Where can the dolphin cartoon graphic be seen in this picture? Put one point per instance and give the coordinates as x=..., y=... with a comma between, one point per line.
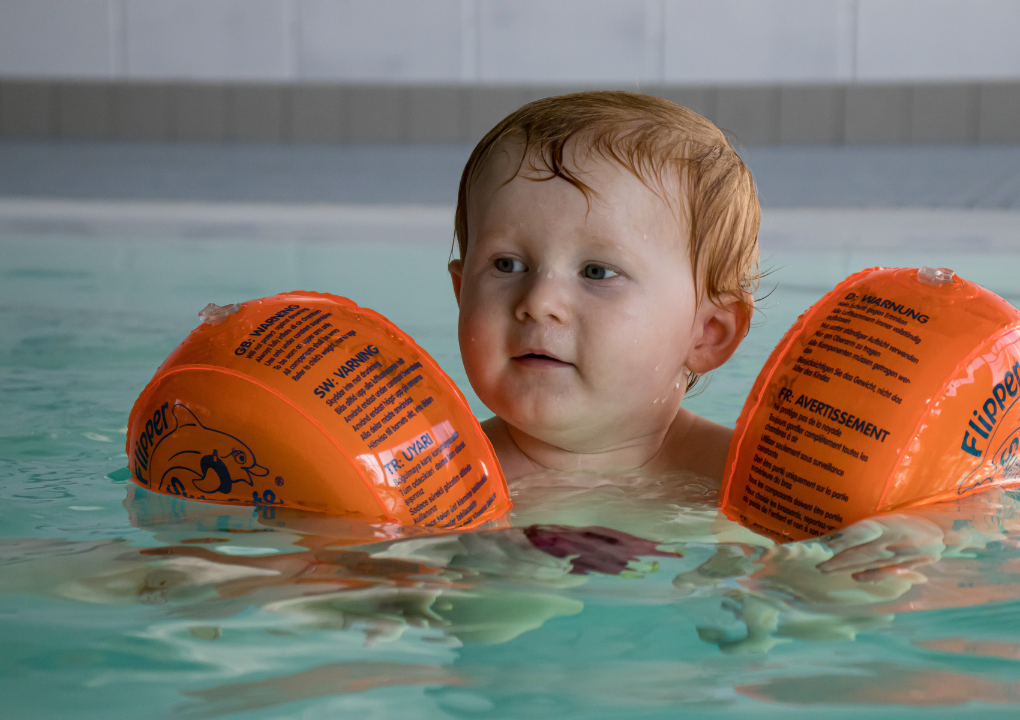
x=211, y=460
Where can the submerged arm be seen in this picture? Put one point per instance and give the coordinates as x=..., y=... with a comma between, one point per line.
x=914, y=537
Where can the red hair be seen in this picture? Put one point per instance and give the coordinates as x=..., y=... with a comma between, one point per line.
x=676, y=152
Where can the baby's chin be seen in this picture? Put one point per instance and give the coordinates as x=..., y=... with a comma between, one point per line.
x=586, y=427
x=571, y=431
x=549, y=424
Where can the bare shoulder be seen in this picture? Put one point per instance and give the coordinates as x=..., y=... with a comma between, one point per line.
x=512, y=461
x=695, y=444
x=495, y=429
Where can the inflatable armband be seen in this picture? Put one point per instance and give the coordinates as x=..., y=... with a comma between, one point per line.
x=306, y=400
x=899, y=388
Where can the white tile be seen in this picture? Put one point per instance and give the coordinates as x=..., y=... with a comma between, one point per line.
x=379, y=40
x=745, y=41
x=468, y=41
x=944, y=40
x=554, y=41
x=207, y=39
x=54, y=38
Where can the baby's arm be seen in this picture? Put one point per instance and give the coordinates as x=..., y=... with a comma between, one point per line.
x=900, y=542
x=882, y=545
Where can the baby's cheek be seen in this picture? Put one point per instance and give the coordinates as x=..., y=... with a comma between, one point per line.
x=479, y=343
x=637, y=363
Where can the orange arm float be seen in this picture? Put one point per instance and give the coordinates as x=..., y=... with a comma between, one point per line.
x=898, y=389
x=306, y=400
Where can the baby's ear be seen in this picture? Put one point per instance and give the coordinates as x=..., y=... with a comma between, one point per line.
x=723, y=324
x=456, y=268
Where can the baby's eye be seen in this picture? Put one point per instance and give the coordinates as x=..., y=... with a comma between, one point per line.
x=598, y=272
x=509, y=265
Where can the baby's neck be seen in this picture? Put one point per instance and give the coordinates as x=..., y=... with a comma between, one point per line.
x=676, y=447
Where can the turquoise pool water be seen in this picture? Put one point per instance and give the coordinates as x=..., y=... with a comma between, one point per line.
x=119, y=603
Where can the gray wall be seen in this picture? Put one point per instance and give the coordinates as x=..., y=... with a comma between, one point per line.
x=772, y=72
x=756, y=115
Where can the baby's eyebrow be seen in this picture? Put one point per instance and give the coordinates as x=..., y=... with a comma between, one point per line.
x=599, y=242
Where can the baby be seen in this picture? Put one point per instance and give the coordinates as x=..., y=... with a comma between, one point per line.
x=608, y=249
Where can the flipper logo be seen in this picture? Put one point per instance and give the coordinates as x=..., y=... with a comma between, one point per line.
x=1001, y=461
x=195, y=461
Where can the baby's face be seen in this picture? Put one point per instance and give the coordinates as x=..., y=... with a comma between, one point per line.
x=575, y=321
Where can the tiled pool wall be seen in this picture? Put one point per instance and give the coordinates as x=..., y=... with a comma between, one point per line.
x=760, y=114
x=772, y=72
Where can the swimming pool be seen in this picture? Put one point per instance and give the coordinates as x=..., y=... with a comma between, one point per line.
x=118, y=603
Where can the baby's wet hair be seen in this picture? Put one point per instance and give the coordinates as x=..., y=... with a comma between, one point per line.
x=676, y=152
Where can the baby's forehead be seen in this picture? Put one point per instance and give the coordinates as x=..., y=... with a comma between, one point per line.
x=513, y=174
x=551, y=221
x=583, y=164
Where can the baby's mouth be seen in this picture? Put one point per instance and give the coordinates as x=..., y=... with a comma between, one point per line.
x=539, y=361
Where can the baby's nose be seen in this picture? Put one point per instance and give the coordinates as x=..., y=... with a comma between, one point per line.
x=547, y=297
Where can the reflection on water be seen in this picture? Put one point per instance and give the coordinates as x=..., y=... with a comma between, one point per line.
x=623, y=597
x=319, y=576
x=887, y=684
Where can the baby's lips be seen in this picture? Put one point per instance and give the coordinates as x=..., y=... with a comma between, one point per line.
x=540, y=353
x=536, y=360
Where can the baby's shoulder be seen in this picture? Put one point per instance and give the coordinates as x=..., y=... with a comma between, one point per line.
x=512, y=461
x=697, y=445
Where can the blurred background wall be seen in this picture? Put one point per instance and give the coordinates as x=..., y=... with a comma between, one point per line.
x=772, y=72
